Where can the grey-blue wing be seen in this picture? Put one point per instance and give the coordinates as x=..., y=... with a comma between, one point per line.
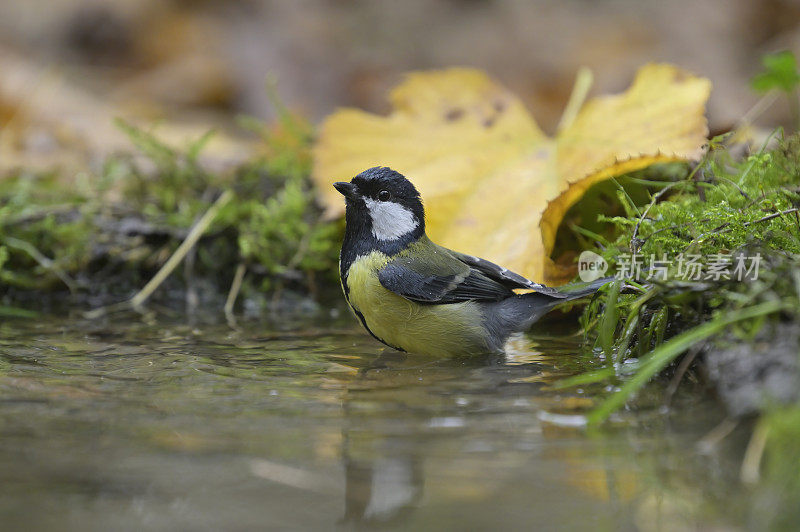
x=504, y=276
x=402, y=278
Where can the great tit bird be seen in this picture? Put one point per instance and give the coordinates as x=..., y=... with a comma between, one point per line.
x=416, y=296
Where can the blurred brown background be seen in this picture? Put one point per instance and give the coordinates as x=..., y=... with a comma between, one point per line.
x=68, y=66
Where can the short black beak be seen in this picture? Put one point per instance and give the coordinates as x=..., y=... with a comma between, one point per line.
x=348, y=190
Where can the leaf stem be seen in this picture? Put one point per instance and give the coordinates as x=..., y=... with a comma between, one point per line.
x=583, y=82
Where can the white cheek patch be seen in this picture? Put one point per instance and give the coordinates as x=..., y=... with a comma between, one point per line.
x=390, y=220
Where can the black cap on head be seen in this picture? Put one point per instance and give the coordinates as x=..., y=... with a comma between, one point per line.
x=380, y=185
x=370, y=182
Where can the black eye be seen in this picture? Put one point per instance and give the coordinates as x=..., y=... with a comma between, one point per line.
x=384, y=195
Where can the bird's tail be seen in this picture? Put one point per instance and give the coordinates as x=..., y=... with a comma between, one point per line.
x=578, y=290
x=518, y=313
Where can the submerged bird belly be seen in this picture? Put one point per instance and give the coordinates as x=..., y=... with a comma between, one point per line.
x=444, y=330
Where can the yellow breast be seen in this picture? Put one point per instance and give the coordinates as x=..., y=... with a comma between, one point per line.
x=440, y=330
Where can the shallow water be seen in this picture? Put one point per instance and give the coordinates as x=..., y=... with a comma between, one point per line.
x=129, y=426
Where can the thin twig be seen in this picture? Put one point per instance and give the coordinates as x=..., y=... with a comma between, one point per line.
x=583, y=82
x=236, y=286
x=192, y=299
x=191, y=291
x=707, y=443
x=764, y=103
x=41, y=259
x=725, y=226
x=753, y=162
x=194, y=235
x=676, y=226
x=108, y=309
x=751, y=463
x=679, y=373
x=771, y=216
x=741, y=191
x=653, y=201
x=191, y=239
x=41, y=214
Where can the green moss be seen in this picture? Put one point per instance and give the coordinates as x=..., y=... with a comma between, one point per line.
x=278, y=235
x=108, y=233
x=46, y=229
x=724, y=207
x=724, y=210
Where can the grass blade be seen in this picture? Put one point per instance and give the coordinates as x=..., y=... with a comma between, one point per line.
x=667, y=352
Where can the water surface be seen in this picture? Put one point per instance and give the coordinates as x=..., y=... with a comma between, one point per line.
x=126, y=425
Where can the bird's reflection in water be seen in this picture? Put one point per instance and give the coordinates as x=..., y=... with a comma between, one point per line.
x=384, y=491
x=385, y=431
x=383, y=481
x=405, y=415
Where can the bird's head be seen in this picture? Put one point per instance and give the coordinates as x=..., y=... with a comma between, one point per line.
x=385, y=202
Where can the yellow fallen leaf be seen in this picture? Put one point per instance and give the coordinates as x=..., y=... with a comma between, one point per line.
x=494, y=185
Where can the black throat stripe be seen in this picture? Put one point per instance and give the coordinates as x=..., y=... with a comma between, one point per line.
x=362, y=319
